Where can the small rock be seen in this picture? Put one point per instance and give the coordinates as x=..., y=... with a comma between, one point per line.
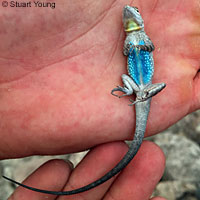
x=182, y=157
x=174, y=190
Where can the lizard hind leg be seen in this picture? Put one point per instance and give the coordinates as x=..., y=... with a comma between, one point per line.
x=148, y=92
x=153, y=89
x=128, y=89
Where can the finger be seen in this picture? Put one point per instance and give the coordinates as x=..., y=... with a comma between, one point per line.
x=97, y=163
x=50, y=176
x=157, y=198
x=196, y=92
x=139, y=178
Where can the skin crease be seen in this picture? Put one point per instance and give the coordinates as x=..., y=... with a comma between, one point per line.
x=57, y=68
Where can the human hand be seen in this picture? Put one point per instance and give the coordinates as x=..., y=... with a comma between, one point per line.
x=137, y=181
x=63, y=67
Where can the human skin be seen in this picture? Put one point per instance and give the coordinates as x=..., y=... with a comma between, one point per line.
x=57, y=68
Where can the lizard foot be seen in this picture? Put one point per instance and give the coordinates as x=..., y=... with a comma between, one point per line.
x=120, y=89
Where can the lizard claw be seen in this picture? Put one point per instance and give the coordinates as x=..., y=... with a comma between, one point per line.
x=133, y=102
x=112, y=92
x=120, y=89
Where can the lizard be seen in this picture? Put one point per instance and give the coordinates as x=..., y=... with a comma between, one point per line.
x=138, y=48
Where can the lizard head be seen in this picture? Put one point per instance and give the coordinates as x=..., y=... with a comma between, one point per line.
x=132, y=19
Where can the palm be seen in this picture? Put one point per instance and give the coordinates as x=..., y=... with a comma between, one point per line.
x=60, y=80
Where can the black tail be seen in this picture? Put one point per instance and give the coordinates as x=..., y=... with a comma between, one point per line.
x=142, y=111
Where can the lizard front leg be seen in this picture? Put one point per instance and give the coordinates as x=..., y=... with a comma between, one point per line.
x=147, y=46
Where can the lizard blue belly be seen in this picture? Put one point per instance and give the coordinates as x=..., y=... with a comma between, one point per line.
x=140, y=65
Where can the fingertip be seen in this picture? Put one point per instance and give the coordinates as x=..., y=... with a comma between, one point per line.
x=156, y=153
x=195, y=100
x=140, y=177
x=150, y=162
x=52, y=175
x=94, y=165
